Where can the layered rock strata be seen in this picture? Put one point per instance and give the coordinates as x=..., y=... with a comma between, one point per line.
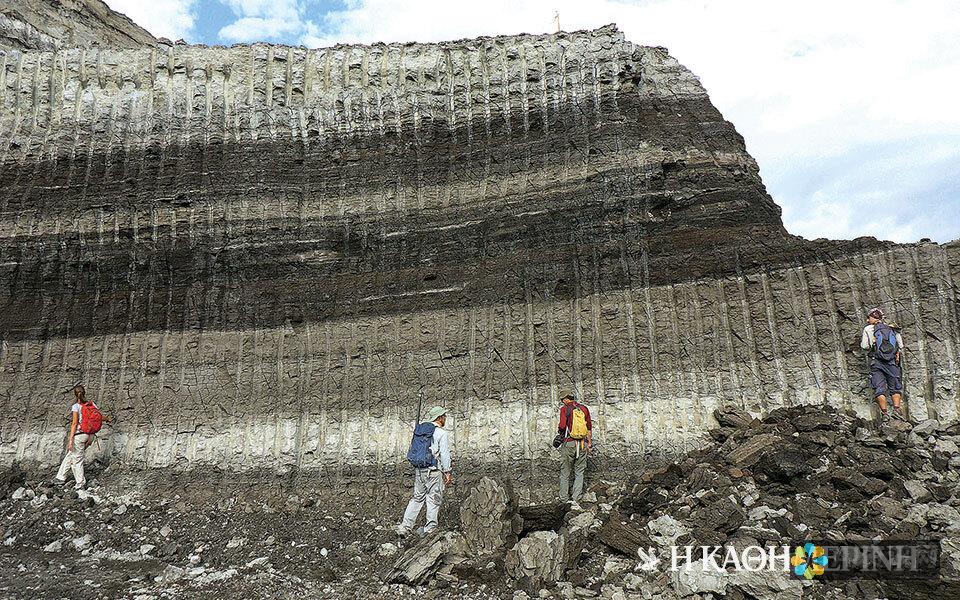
x=273, y=256
x=56, y=24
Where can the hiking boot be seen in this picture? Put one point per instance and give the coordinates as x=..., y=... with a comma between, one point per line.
x=401, y=530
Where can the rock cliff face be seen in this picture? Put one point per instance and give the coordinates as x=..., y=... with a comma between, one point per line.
x=54, y=24
x=273, y=256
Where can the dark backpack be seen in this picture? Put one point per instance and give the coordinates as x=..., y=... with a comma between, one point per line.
x=885, y=345
x=91, y=419
x=419, y=454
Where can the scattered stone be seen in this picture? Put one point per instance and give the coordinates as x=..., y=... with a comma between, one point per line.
x=918, y=492
x=925, y=428
x=665, y=530
x=387, y=549
x=54, y=546
x=169, y=575
x=82, y=542
x=695, y=579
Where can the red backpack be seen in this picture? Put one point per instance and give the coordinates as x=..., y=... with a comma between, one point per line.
x=91, y=419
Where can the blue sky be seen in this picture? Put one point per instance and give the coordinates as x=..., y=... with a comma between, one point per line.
x=850, y=108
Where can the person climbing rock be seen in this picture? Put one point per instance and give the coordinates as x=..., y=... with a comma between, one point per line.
x=85, y=422
x=430, y=456
x=884, y=345
x=576, y=431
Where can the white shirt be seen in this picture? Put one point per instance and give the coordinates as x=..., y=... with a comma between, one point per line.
x=440, y=447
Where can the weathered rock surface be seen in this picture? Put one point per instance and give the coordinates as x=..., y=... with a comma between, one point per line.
x=438, y=552
x=488, y=517
x=60, y=24
x=270, y=256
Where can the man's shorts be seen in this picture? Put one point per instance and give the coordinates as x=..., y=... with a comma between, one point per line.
x=885, y=379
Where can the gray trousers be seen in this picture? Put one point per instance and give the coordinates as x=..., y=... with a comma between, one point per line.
x=427, y=488
x=74, y=459
x=570, y=460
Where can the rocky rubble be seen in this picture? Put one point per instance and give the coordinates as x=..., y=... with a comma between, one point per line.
x=799, y=473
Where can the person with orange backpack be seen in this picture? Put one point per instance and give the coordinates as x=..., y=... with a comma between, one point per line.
x=86, y=421
x=575, y=439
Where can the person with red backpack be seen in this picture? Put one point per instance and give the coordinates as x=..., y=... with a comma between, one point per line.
x=884, y=345
x=575, y=439
x=86, y=421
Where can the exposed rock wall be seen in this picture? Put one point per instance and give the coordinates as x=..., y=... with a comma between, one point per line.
x=53, y=24
x=265, y=256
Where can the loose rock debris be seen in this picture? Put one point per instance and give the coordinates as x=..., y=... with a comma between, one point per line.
x=800, y=473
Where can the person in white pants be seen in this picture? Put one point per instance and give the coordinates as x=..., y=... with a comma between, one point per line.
x=77, y=442
x=428, y=483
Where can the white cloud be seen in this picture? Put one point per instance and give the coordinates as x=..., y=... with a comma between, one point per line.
x=171, y=19
x=259, y=20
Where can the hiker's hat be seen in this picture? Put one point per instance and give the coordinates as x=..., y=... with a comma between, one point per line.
x=434, y=413
x=876, y=313
x=567, y=394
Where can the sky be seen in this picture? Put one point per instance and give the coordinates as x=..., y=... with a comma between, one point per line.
x=851, y=107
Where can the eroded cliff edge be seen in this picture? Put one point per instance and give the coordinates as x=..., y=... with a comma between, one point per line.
x=56, y=24
x=266, y=256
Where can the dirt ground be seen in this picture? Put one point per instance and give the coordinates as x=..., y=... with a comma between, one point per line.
x=137, y=536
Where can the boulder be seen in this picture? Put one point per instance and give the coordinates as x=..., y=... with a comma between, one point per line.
x=751, y=451
x=435, y=552
x=732, y=416
x=918, y=492
x=543, y=517
x=537, y=558
x=925, y=428
x=665, y=530
x=488, y=517
x=619, y=534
